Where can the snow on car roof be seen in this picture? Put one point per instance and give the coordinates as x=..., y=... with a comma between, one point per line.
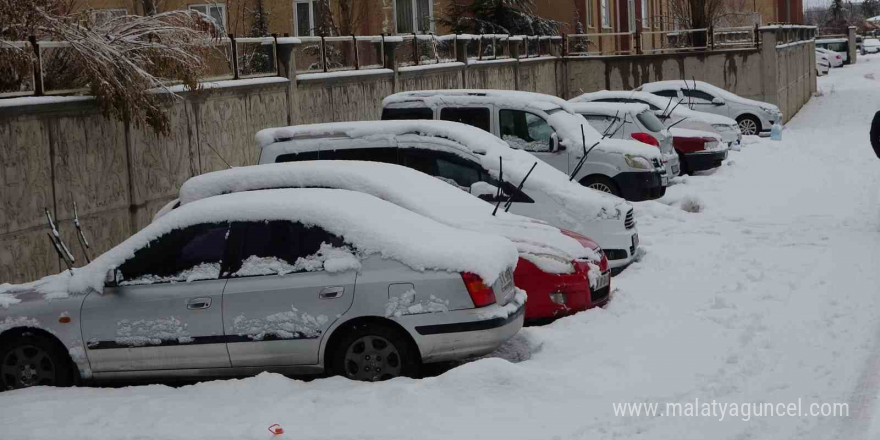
x=486, y=148
x=405, y=187
x=513, y=98
x=372, y=225
x=702, y=85
x=609, y=108
x=661, y=102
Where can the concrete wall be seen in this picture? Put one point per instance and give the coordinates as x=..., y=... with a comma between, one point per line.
x=55, y=153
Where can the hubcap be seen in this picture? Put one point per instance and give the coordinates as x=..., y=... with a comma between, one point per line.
x=600, y=187
x=748, y=127
x=372, y=358
x=27, y=366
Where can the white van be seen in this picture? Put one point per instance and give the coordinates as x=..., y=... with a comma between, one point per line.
x=474, y=161
x=547, y=127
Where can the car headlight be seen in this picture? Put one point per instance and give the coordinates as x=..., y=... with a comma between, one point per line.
x=638, y=162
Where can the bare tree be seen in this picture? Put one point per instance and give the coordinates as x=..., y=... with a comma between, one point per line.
x=122, y=61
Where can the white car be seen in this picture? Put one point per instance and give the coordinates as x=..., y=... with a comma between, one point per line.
x=834, y=58
x=870, y=45
x=753, y=117
x=836, y=45
x=822, y=64
x=672, y=113
x=474, y=161
x=547, y=127
x=632, y=121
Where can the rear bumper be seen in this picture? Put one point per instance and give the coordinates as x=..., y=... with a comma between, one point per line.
x=468, y=333
x=637, y=186
x=704, y=160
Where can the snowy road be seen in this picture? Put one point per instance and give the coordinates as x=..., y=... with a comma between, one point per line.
x=770, y=293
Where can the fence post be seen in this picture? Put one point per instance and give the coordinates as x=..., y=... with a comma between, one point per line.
x=234, y=56
x=323, y=53
x=415, y=52
x=37, y=67
x=637, y=36
x=564, y=45
x=711, y=37
x=357, y=58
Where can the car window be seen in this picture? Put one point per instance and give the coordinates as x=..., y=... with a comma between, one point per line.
x=393, y=114
x=698, y=96
x=278, y=247
x=297, y=157
x=385, y=155
x=666, y=93
x=190, y=254
x=652, y=106
x=599, y=122
x=650, y=121
x=525, y=131
x=460, y=172
x=475, y=116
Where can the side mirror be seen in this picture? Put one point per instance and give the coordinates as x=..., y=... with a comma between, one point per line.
x=554, y=143
x=110, y=278
x=484, y=190
x=718, y=101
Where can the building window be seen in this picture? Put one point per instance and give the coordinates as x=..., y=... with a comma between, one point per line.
x=304, y=17
x=606, y=14
x=589, y=9
x=217, y=11
x=414, y=16
x=631, y=14
x=645, y=22
x=101, y=16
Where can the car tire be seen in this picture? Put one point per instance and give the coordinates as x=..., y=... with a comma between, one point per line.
x=33, y=359
x=374, y=352
x=601, y=183
x=749, y=125
x=683, y=168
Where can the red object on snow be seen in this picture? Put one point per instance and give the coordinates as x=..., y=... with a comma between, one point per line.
x=276, y=429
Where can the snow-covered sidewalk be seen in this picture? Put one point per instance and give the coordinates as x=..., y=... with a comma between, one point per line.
x=768, y=294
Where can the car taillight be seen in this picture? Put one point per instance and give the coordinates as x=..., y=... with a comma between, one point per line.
x=646, y=138
x=690, y=144
x=481, y=294
x=603, y=263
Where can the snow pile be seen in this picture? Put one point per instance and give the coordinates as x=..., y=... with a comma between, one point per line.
x=370, y=225
x=284, y=325
x=204, y=271
x=139, y=333
x=328, y=258
x=406, y=304
x=405, y=187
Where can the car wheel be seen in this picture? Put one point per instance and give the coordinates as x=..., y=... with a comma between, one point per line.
x=34, y=360
x=684, y=168
x=749, y=125
x=601, y=183
x=373, y=352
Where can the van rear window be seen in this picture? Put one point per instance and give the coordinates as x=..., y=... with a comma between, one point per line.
x=475, y=116
x=409, y=113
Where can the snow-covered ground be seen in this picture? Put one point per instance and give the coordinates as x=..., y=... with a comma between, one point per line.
x=770, y=293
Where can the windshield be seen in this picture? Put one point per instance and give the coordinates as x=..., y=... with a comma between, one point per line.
x=650, y=121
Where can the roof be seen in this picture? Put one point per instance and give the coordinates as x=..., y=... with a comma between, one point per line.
x=663, y=103
x=372, y=225
x=832, y=40
x=511, y=97
x=609, y=108
x=405, y=187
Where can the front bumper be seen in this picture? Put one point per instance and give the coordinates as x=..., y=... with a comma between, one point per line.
x=465, y=334
x=704, y=160
x=637, y=186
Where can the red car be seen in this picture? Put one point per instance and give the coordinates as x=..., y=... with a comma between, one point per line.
x=697, y=150
x=553, y=296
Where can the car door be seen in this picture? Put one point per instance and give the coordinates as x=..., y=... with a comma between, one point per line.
x=524, y=130
x=702, y=102
x=163, y=311
x=280, y=299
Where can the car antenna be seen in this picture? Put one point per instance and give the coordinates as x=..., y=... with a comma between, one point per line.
x=498, y=193
x=676, y=123
x=519, y=188
x=81, y=237
x=218, y=154
x=60, y=248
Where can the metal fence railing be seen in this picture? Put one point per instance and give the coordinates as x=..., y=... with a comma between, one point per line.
x=44, y=67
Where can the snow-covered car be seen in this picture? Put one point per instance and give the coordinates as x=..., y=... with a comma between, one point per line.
x=834, y=58
x=631, y=121
x=547, y=127
x=288, y=280
x=839, y=46
x=752, y=116
x=823, y=65
x=699, y=150
x=672, y=113
x=476, y=162
x=870, y=45
x=562, y=272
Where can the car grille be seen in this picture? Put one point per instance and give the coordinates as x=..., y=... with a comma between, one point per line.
x=630, y=221
x=600, y=295
x=657, y=163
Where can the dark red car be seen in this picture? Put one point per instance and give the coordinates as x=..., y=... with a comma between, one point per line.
x=697, y=150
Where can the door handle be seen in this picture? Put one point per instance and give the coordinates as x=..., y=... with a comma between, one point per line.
x=198, y=303
x=331, y=292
